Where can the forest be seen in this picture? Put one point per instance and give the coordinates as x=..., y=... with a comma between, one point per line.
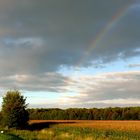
x=117, y=113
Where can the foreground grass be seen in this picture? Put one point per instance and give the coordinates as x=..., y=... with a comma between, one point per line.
x=79, y=131
x=69, y=133
x=9, y=137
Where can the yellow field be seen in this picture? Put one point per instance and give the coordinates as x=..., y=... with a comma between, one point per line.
x=107, y=124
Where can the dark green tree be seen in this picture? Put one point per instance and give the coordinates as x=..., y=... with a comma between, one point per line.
x=14, y=114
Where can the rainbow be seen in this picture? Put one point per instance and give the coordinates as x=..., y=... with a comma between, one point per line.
x=105, y=30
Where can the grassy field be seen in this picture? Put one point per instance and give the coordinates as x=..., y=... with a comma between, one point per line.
x=107, y=124
x=76, y=130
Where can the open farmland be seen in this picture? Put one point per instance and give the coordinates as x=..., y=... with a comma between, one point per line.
x=107, y=124
x=77, y=130
x=93, y=129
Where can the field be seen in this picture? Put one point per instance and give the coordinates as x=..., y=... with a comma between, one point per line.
x=106, y=125
x=76, y=130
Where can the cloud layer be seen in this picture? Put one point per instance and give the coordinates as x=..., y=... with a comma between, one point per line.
x=109, y=89
x=38, y=37
x=121, y=88
x=50, y=82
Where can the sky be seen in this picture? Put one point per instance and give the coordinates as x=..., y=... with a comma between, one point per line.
x=71, y=53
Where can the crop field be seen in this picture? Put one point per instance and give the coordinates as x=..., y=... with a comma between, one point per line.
x=76, y=130
x=107, y=124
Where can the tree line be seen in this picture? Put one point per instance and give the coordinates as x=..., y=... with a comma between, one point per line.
x=117, y=113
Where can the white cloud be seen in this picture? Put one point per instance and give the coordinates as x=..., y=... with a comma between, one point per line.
x=115, y=88
x=108, y=88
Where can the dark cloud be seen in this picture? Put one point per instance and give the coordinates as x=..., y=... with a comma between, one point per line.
x=41, y=36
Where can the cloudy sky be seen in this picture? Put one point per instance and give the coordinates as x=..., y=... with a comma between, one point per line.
x=71, y=53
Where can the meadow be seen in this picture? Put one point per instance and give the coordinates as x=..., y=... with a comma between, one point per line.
x=76, y=130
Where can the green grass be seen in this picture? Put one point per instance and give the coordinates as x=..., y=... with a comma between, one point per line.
x=57, y=132
x=69, y=133
x=98, y=134
x=9, y=137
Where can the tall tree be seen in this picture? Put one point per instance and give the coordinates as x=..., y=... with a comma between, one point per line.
x=14, y=112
